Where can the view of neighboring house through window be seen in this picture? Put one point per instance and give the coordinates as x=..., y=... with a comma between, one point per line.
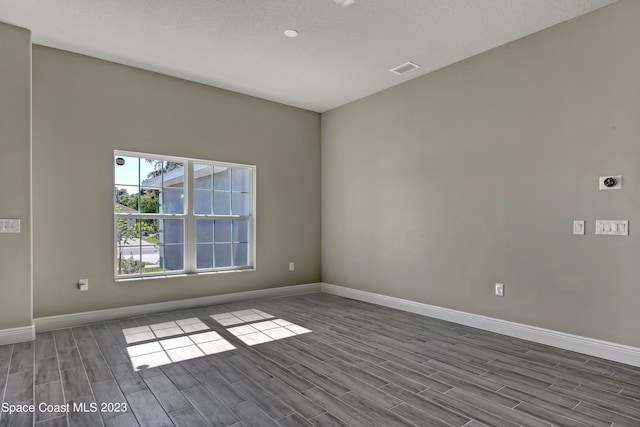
x=175, y=215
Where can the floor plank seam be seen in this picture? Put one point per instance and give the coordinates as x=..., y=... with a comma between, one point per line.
x=86, y=375
x=4, y=388
x=113, y=377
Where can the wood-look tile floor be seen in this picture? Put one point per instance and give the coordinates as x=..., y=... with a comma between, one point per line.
x=361, y=365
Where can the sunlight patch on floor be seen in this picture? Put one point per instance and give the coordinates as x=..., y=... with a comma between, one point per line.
x=162, y=330
x=242, y=316
x=163, y=352
x=253, y=327
x=271, y=330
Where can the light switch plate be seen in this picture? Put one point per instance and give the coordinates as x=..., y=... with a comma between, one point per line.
x=578, y=227
x=9, y=225
x=612, y=227
x=499, y=290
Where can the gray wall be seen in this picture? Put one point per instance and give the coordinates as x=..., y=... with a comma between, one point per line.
x=437, y=188
x=15, y=183
x=85, y=108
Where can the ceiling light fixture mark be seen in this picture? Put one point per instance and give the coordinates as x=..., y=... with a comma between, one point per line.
x=345, y=3
x=404, y=68
x=291, y=33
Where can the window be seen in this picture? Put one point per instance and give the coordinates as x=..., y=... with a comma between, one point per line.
x=176, y=215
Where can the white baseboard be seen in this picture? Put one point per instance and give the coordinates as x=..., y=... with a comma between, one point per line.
x=16, y=335
x=604, y=349
x=88, y=317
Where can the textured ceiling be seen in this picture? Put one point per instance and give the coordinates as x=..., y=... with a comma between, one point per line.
x=344, y=50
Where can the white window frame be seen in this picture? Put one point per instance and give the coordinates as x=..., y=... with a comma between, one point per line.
x=190, y=218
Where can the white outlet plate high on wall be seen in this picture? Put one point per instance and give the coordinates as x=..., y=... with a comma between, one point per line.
x=617, y=186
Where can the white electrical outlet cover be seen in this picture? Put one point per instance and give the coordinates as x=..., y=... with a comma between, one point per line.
x=578, y=227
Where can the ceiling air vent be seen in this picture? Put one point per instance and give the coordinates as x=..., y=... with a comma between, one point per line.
x=404, y=68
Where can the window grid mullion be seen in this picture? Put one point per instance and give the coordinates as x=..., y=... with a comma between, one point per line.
x=149, y=216
x=190, y=225
x=213, y=244
x=233, y=261
x=228, y=217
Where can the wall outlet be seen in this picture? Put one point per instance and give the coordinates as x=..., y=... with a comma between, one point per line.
x=578, y=227
x=83, y=284
x=292, y=266
x=499, y=290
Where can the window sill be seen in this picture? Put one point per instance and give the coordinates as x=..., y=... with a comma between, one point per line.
x=168, y=276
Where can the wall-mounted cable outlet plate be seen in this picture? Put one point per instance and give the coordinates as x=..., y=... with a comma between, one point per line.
x=610, y=182
x=499, y=290
x=578, y=227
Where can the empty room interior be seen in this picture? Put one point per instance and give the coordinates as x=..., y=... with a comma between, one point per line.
x=320, y=213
